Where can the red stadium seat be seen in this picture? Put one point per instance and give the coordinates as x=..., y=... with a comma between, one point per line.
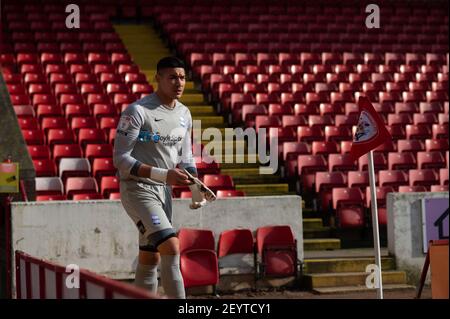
x=60, y=136
x=199, y=268
x=399, y=119
x=284, y=134
x=40, y=198
x=341, y=162
x=91, y=136
x=264, y=121
x=87, y=196
x=108, y=123
x=33, y=137
x=439, y=188
x=307, y=165
x=215, y=182
x=28, y=123
x=250, y=111
x=103, y=167
x=421, y=131
x=325, y=182
x=427, y=118
x=430, y=160
x=291, y=150
x=309, y=134
x=66, y=151
x=381, y=194
x=411, y=189
x=44, y=167
x=392, y=178
x=80, y=122
x=108, y=185
x=404, y=161
x=277, y=249
x=407, y=108
x=235, y=241
x=325, y=148
x=443, y=176
x=346, y=147
x=192, y=239
x=114, y=196
x=379, y=162
x=294, y=121
x=48, y=123
x=39, y=151
x=93, y=151
x=49, y=186
x=103, y=110
x=337, y=134
x=424, y=177
x=349, y=206
x=412, y=146
x=229, y=193
x=358, y=179
x=433, y=108
x=440, y=131
x=80, y=185
x=440, y=145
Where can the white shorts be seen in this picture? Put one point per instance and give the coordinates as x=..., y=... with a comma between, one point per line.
x=150, y=208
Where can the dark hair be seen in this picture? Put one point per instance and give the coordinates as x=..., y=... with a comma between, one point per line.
x=169, y=62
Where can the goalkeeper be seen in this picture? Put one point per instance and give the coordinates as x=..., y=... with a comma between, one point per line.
x=153, y=136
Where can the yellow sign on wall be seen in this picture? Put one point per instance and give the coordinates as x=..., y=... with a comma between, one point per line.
x=9, y=177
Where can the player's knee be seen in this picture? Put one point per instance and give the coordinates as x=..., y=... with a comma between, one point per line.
x=148, y=257
x=170, y=246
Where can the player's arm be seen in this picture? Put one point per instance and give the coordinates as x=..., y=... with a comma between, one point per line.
x=128, y=130
x=200, y=193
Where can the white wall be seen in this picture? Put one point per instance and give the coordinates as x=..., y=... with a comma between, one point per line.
x=405, y=240
x=99, y=235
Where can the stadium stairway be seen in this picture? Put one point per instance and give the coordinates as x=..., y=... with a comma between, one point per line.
x=146, y=48
x=328, y=269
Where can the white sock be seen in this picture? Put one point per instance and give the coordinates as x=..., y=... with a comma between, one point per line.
x=171, y=278
x=147, y=277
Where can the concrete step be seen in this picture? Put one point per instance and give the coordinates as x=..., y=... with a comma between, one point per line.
x=357, y=289
x=248, y=172
x=338, y=265
x=192, y=99
x=313, y=281
x=229, y=146
x=210, y=120
x=312, y=223
x=263, y=189
x=322, y=244
x=256, y=179
x=202, y=110
x=237, y=161
x=323, y=232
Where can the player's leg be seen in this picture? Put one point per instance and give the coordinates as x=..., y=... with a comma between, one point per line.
x=146, y=275
x=147, y=269
x=169, y=249
x=171, y=277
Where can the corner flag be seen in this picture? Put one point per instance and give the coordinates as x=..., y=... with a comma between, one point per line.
x=371, y=131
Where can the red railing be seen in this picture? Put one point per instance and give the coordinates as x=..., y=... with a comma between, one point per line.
x=40, y=279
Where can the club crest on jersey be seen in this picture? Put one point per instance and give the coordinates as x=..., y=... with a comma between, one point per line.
x=366, y=129
x=124, y=123
x=156, y=220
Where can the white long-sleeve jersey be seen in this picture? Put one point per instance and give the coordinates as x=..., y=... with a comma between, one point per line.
x=150, y=133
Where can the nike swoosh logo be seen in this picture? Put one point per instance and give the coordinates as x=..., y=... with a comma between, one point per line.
x=157, y=120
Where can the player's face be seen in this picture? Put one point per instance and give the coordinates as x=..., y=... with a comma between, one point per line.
x=171, y=82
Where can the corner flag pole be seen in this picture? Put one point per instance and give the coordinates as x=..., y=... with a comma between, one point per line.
x=376, y=234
